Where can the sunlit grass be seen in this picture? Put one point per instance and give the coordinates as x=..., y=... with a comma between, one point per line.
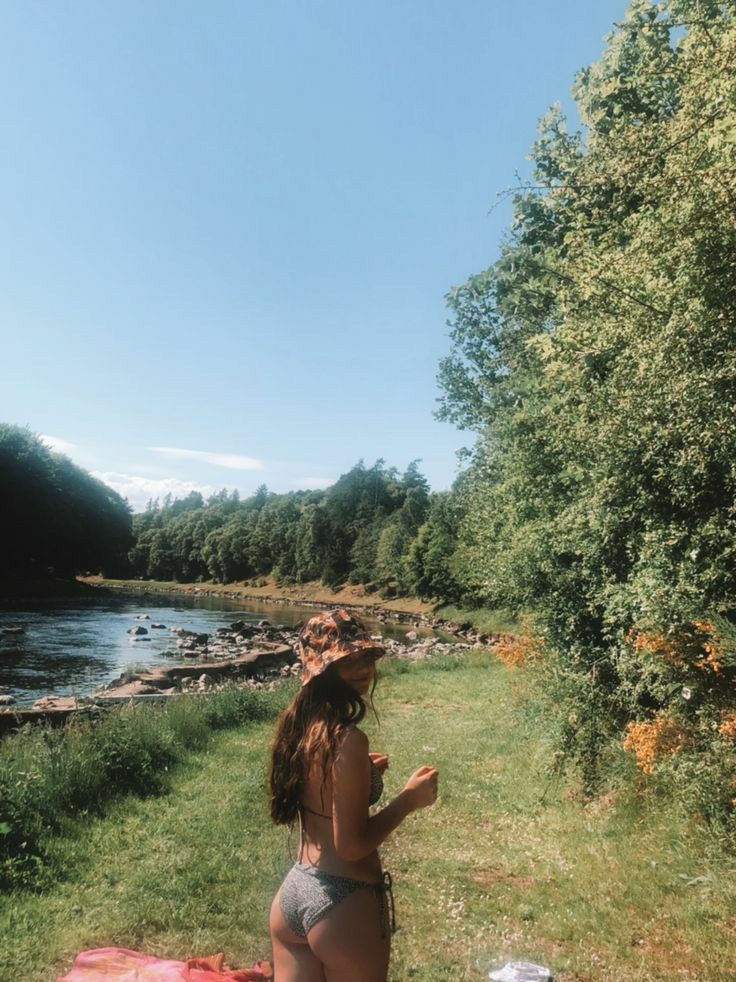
x=487, y=620
x=508, y=864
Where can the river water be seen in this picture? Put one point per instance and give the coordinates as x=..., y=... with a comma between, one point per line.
x=73, y=647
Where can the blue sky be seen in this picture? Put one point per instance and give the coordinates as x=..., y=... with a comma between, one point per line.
x=227, y=229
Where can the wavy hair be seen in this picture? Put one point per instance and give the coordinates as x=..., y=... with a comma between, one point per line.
x=308, y=730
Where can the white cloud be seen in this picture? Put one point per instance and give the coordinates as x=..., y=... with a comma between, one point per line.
x=140, y=490
x=232, y=461
x=56, y=443
x=313, y=483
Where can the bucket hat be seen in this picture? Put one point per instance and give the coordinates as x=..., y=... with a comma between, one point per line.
x=329, y=636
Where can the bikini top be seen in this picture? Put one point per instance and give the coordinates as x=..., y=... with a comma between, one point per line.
x=375, y=793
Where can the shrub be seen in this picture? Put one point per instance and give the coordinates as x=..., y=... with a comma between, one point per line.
x=517, y=651
x=650, y=740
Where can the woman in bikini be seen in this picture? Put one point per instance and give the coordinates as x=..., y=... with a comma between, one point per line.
x=332, y=918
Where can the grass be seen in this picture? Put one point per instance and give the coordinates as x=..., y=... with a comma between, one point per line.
x=622, y=888
x=486, y=620
x=49, y=775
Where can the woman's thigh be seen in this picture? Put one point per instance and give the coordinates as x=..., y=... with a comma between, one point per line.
x=353, y=942
x=293, y=960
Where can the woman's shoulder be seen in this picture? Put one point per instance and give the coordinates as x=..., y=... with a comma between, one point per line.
x=352, y=742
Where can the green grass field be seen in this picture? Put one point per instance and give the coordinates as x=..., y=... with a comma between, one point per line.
x=620, y=888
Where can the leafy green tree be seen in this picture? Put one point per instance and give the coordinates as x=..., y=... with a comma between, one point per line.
x=309, y=533
x=55, y=516
x=333, y=536
x=429, y=561
x=596, y=361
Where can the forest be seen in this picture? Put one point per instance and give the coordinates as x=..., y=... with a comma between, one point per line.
x=373, y=526
x=55, y=518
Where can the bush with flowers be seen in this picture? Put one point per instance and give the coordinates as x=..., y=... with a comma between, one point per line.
x=690, y=739
x=595, y=359
x=517, y=650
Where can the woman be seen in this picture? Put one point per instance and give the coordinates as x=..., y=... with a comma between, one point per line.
x=331, y=919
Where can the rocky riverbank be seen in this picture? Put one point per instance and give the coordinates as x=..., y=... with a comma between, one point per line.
x=238, y=653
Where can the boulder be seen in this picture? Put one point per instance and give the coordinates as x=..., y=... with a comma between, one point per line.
x=137, y=630
x=158, y=627
x=59, y=703
x=143, y=617
x=6, y=700
x=135, y=688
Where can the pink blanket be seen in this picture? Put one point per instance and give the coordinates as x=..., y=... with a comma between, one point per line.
x=131, y=966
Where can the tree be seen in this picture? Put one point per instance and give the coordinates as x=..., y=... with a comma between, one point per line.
x=55, y=515
x=596, y=361
x=429, y=562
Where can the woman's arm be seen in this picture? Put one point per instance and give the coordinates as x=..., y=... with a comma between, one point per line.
x=358, y=834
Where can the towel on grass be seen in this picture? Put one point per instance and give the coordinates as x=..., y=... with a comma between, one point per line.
x=125, y=965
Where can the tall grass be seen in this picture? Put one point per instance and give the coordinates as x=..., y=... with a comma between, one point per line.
x=48, y=776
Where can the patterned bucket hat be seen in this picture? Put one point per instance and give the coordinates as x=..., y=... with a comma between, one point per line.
x=330, y=636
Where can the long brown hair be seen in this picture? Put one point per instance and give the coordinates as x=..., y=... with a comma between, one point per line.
x=308, y=730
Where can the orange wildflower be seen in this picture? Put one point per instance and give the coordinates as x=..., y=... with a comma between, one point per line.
x=516, y=651
x=705, y=627
x=713, y=652
x=656, y=644
x=699, y=648
x=727, y=728
x=653, y=739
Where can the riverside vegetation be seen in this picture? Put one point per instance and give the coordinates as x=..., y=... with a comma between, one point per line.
x=594, y=365
x=510, y=863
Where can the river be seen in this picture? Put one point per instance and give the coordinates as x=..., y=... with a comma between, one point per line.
x=73, y=647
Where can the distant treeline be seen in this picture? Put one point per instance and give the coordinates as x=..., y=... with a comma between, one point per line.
x=372, y=526
x=55, y=518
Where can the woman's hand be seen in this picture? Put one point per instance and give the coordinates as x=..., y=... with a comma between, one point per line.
x=380, y=761
x=421, y=788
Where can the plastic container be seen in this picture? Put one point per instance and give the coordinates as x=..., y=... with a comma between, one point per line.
x=522, y=972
